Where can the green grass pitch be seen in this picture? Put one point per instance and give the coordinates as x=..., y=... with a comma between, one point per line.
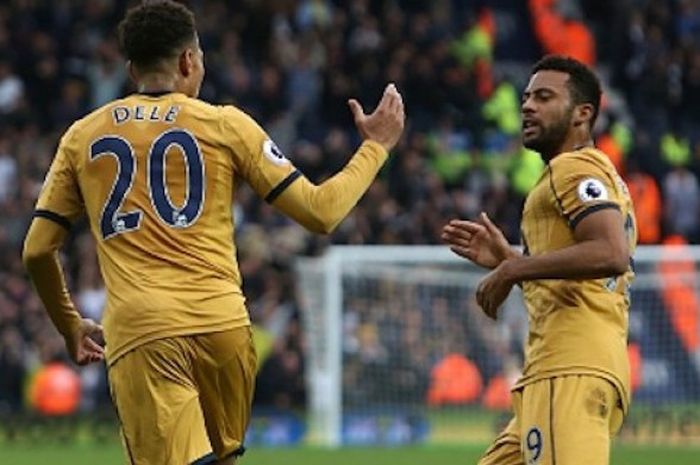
x=110, y=453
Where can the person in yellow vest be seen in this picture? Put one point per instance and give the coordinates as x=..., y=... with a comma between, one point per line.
x=675, y=149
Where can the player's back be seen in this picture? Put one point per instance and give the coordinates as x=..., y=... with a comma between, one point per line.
x=156, y=178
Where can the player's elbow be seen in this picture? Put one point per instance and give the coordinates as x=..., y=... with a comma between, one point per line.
x=619, y=265
x=314, y=221
x=322, y=225
x=324, y=229
x=38, y=247
x=617, y=260
x=34, y=254
x=323, y=218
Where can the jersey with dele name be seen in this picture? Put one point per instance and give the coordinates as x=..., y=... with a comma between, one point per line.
x=155, y=174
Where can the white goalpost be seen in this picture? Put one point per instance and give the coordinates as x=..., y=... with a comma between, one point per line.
x=398, y=352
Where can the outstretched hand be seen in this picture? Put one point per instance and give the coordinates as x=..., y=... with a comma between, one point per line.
x=386, y=122
x=480, y=242
x=83, y=346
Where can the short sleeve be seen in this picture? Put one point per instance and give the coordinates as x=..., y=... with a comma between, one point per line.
x=256, y=157
x=581, y=186
x=60, y=199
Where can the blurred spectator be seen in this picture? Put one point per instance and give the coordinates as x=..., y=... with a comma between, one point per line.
x=107, y=75
x=11, y=88
x=682, y=203
x=497, y=394
x=12, y=349
x=675, y=150
x=8, y=173
x=634, y=353
x=646, y=197
x=559, y=28
x=455, y=380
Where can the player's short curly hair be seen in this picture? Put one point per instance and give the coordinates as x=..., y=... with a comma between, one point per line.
x=155, y=31
x=583, y=84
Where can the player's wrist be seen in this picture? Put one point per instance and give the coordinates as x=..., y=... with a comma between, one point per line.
x=509, y=270
x=378, y=149
x=510, y=253
x=69, y=324
x=378, y=144
x=502, y=254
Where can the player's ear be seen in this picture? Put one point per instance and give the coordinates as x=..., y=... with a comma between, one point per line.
x=131, y=69
x=583, y=113
x=186, y=61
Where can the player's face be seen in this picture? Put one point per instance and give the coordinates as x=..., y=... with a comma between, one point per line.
x=547, y=112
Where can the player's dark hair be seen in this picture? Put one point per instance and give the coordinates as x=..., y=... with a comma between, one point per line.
x=583, y=84
x=155, y=31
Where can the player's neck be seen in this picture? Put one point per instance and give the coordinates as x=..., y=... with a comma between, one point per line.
x=156, y=83
x=572, y=144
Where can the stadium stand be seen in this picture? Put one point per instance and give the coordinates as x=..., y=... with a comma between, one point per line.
x=293, y=64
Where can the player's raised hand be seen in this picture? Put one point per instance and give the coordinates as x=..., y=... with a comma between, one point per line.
x=386, y=122
x=82, y=346
x=481, y=242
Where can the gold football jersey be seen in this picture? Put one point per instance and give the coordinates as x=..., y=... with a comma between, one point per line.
x=576, y=326
x=155, y=175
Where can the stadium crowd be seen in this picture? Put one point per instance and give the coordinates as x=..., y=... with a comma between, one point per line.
x=292, y=64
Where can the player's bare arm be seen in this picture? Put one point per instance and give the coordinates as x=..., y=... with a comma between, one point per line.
x=601, y=250
x=40, y=258
x=320, y=208
x=478, y=241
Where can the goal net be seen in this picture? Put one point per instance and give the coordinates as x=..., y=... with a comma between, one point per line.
x=398, y=352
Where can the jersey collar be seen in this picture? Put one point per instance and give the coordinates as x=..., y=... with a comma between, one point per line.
x=156, y=93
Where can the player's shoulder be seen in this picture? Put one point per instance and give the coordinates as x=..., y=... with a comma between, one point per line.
x=591, y=169
x=587, y=158
x=237, y=121
x=229, y=115
x=198, y=106
x=234, y=114
x=215, y=110
x=85, y=126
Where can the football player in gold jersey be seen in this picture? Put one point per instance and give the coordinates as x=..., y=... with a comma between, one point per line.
x=156, y=173
x=578, y=232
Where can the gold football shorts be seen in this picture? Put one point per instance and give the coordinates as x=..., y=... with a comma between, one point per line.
x=184, y=400
x=563, y=420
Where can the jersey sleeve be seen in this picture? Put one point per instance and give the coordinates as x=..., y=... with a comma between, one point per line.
x=320, y=208
x=60, y=199
x=581, y=186
x=256, y=158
